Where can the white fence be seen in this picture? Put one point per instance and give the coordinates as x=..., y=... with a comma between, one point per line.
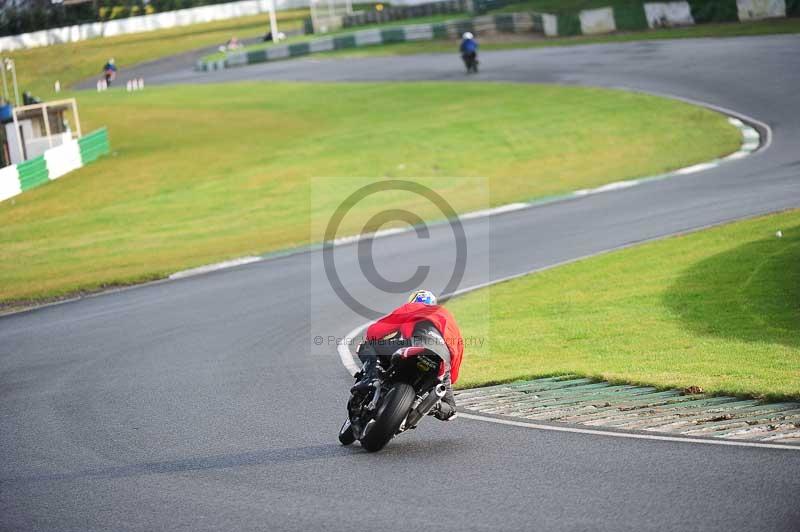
x=156, y=21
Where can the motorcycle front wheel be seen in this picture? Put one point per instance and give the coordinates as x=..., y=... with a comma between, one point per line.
x=390, y=416
x=346, y=436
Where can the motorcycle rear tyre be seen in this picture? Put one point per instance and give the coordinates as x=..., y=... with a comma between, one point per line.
x=390, y=416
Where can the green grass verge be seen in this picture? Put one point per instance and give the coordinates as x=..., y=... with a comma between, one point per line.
x=719, y=309
x=201, y=174
x=39, y=68
x=512, y=41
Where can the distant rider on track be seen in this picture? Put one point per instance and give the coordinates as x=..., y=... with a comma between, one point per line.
x=420, y=322
x=469, y=52
x=110, y=71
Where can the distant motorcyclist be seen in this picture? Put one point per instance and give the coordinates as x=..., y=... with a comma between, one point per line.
x=469, y=52
x=420, y=322
x=110, y=71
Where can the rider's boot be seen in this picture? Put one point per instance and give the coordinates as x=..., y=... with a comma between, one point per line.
x=369, y=373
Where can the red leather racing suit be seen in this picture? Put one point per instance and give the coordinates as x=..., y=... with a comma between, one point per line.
x=404, y=319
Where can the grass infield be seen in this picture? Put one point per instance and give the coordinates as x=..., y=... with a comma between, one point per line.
x=39, y=68
x=718, y=309
x=207, y=173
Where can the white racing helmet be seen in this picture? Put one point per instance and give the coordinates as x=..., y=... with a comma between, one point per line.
x=423, y=296
x=467, y=35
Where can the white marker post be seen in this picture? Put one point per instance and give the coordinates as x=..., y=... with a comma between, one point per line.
x=8, y=64
x=312, y=5
x=273, y=22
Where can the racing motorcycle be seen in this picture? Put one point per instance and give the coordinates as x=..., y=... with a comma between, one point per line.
x=471, y=62
x=404, y=392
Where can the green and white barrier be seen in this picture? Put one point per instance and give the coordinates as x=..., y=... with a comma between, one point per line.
x=760, y=9
x=670, y=14
x=54, y=163
x=505, y=23
x=597, y=21
x=586, y=22
x=9, y=182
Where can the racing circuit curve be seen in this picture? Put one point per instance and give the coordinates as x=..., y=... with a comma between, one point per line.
x=195, y=404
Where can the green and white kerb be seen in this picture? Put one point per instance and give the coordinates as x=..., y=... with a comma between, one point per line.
x=54, y=163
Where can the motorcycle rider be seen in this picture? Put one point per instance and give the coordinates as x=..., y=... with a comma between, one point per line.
x=420, y=322
x=110, y=71
x=469, y=51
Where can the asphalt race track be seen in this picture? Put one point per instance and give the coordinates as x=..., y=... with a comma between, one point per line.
x=202, y=404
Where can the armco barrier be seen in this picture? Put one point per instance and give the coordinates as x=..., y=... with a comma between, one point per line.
x=504, y=23
x=55, y=162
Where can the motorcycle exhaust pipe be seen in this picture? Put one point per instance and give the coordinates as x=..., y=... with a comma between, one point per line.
x=440, y=390
x=430, y=400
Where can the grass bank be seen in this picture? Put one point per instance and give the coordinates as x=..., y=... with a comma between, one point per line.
x=433, y=19
x=201, y=174
x=719, y=309
x=39, y=68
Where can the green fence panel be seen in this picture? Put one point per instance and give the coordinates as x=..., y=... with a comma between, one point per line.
x=390, y=35
x=345, y=41
x=714, y=11
x=504, y=23
x=793, y=8
x=464, y=25
x=630, y=18
x=569, y=24
x=439, y=31
x=302, y=48
x=484, y=6
x=94, y=145
x=256, y=56
x=538, y=22
x=32, y=173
